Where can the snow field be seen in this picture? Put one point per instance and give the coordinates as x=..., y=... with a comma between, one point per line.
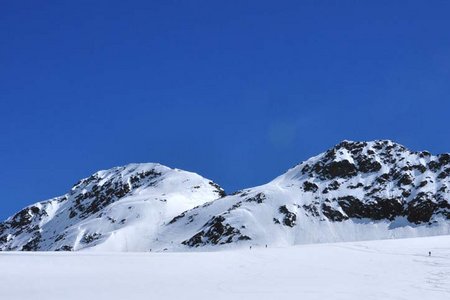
x=384, y=269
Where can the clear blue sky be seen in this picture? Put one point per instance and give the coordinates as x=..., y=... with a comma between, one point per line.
x=237, y=91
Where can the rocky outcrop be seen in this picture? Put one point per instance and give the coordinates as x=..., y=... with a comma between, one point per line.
x=216, y=232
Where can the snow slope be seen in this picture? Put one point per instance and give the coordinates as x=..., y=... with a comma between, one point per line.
x=120, y=209
x=385, y=269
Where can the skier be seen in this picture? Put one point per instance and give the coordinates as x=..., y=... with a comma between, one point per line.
x=429, y=253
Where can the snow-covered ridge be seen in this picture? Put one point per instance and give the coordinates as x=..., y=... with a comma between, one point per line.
x=353, y=191
x=119, y=209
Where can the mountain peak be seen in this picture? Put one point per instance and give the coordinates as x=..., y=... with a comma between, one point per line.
x=107, y=208
x=353, y=191
x=376, y=145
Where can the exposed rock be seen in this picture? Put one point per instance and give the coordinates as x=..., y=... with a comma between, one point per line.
x=341, y=169
x=220, y=191
x=367, y=165
x=90, y=237
x=258, y=198
x=289, y=218
x=216, y=233
x=310, y=187
x=333, y=214
x=381, y=209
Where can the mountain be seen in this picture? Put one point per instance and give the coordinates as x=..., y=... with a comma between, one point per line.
x=354, y=191
x=120, y=209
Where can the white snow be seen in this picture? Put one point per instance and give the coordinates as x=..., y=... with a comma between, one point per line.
x=128, y=223
x=384, y=269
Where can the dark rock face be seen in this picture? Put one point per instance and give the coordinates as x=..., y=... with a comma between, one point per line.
x=421, y=210
x=382, y=209
x=337, y=169
x=444, y=174
x=405, y=179
x=258, y=198
x=425, y=205
x=311, y=210
x=444, y=159
x=216, y=232
x=366, y=165
x=289, y=218
x=331, y=187
x=332, y=214
x=310, y=187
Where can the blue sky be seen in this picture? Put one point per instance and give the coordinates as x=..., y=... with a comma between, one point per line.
x=237, y=91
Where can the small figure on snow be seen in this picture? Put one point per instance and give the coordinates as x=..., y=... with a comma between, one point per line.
x=429, y=253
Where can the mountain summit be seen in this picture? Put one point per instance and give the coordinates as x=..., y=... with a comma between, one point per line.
x=353, y=191
x=120, y=209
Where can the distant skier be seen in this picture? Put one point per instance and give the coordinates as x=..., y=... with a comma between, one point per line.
x=266, y=245
x=250, y=247
x=429, y=253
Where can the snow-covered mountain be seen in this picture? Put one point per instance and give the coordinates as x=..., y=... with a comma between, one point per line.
x=354, y=191
x=120, y=209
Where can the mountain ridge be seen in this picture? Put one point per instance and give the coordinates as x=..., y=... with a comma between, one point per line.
x=352, y=191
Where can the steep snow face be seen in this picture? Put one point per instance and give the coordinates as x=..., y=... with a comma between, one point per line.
x=354, y=191
x=120, y=209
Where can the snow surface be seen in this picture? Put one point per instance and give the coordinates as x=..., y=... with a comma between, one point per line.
x=384, y=269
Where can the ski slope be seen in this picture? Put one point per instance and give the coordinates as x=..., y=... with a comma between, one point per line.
x=385, y=269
